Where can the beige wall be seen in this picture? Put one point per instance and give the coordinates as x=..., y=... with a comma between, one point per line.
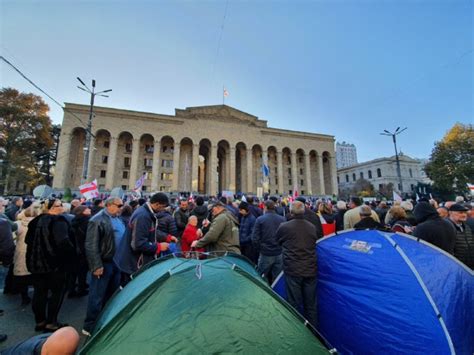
x=232, y=141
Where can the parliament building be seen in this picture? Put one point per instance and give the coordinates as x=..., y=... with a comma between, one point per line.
x=203, y=150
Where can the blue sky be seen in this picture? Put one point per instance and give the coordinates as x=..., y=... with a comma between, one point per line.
x=346, y=68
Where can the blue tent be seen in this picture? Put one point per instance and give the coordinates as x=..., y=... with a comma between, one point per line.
x=387, y=293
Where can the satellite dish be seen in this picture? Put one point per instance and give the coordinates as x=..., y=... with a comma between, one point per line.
x=42, y=191
x=117, y=192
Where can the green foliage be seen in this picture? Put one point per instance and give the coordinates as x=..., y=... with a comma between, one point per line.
x=451, y=164
x=25, y=132
x=67, y=197
x=363, y=188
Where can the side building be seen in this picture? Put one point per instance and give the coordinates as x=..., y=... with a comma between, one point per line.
x=201, y=149
x=383, y=171
x=346, y=155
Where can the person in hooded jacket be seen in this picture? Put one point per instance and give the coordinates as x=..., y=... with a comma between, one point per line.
x=200, y=211
x=433, y=229
x=247, y=223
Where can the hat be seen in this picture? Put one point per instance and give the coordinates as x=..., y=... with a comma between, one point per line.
x=218, y=203
x=244, y=206
x=458, y=208
x=301, y=199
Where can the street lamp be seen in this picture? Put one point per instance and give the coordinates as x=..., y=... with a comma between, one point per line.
x=394, y=135
x=87, y=147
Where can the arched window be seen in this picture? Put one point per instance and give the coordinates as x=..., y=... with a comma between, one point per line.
x=411, y=173
x=347, y=178
x=353, y=177
x=379, y=173
x=370, y=174
x=361, y=174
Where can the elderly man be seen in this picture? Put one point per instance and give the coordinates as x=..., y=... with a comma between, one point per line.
x=366, y=220
x=297, y=238
x=14, y=207
x=464, y=246
x=223, y=234
x=352, y=216
x=104, y=232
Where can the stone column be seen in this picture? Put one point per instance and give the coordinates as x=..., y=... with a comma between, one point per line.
x=321, y=175
x=176, y=157
x=195, y=168
x=232, y=170
x=91, y=173
x=155, y=170
x=250, y=171
x=213, y=170
x=134, y=164
x=280, y=171
x=112, y=158
x=294, y=173
x=332, y=161
x=62, y=168
x=307, y=169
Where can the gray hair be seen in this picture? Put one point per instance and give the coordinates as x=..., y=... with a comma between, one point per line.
x=111, y=201
x=365, y=211
x=341, y=205
x=297, y=208
x=67, y=207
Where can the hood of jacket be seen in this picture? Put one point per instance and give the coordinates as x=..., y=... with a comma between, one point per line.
x=424, y=211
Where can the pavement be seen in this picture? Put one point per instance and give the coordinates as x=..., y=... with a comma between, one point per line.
x=18, y=321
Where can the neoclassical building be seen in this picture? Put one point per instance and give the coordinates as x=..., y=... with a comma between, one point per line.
x=201, y=149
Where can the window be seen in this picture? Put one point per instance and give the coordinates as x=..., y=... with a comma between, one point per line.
x=166, y=176
x=148, y=163
x=347, y=178
x=353, y=177
x=106, y=144
x=302, y=192
x=128, y=147
x=125, y=187
x=105, y=158
x=301, y=182
x=126, y=162
x=289, y=171
x=380, y=186
x=143, y=188
x=289, y=182
x=370, y=174
x=167, y=163
x=412, y=187
x=101, y=187
x=379, y=173
x=338, y=181
x=164, y=149
x=125, y=175
x=411, y=173
x=289, y=160
x=276, y=191
x=149, y=148
x=301, y=171
x=102, y=173
x=290, y=192
x=300, y=159
x=361, y=175
x=276, y=170
x=276, y=181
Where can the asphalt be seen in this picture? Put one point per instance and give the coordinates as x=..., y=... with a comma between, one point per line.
x=18, y=321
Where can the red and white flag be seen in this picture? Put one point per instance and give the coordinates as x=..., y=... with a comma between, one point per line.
x=226, y=93
x=89, y=190
x=471, y=188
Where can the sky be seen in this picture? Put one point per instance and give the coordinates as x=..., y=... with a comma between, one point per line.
x=348, y=68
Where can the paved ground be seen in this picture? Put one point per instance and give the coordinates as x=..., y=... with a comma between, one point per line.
x=18, y=322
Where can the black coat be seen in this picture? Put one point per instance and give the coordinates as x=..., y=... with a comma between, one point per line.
x=264, y=233
x=181, y=219
x=340, y=220
x=464, y=246
x=100, y=241
x=7, y=246
x=298, y=240
x=369, y=223
x=433, y=229
x=201, y=213
x=79, y=232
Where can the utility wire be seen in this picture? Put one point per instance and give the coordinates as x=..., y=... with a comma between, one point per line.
x=44, y=92
x=220, y=39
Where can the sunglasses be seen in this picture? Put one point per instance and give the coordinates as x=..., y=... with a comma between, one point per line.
x=119, y=206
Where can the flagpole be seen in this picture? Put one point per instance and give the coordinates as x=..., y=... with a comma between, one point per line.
x=223, y=94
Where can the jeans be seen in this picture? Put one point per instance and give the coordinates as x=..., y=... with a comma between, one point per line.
x=100, y=291
x=301, y=291
x=270, y=266
x=55, y=282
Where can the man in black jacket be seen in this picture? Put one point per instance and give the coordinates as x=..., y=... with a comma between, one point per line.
x=104, y=232
x=298, y=240
x=464, y=246
x=264, y=241
x=7, y=250
x=311, y=217
x=181, y=216
x=432, y=228
x=366, y=220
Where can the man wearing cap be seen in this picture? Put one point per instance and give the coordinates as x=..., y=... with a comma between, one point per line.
x=223, y=234
x=366, y=220
x=352, y=216
x=434, y=229
x=464, y=246
x=104, y=232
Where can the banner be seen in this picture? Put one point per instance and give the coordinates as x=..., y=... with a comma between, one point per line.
x=397, y=197
x=139, y=183
x=89, y=190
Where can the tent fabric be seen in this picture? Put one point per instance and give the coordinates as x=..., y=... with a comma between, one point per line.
x=189, y=306
x=381, y=292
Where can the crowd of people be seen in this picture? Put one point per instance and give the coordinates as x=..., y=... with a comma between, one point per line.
x=91, y=248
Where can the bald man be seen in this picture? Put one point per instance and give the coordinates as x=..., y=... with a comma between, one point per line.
x=64, y=341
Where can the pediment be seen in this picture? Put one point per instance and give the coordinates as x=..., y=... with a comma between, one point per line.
x=221, y=113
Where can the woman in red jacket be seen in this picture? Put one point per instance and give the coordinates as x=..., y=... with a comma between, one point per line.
x=190, y=234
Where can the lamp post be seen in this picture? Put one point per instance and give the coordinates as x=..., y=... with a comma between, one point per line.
x=394, y=135
x=87, y=146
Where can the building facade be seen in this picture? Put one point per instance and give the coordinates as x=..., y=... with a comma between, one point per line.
x=205, y=149
x=383, y=171
x=346, y=155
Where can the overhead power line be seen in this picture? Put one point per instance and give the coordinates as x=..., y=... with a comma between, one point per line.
x=44, y=92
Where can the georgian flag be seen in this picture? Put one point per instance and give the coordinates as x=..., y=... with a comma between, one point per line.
x=89, y=190
x=139, y=183
x=226, y=93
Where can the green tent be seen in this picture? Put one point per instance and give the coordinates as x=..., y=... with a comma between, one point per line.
x=189, y=306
